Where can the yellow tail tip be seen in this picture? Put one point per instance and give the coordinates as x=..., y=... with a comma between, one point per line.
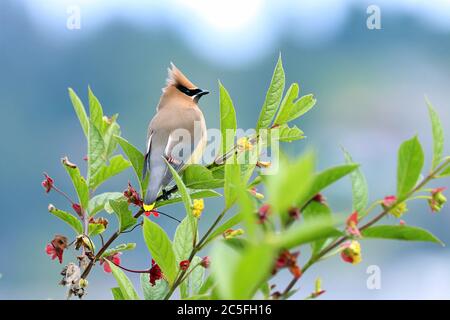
x=148, y=207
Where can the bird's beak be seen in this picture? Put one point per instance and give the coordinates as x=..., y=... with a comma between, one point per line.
x=200, y=94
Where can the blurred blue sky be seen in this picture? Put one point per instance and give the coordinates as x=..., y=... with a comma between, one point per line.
x=370, y=86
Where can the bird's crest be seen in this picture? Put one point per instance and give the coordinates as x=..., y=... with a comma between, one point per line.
x=175, y=77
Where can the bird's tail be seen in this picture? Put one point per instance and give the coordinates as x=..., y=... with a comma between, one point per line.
x=158, y=170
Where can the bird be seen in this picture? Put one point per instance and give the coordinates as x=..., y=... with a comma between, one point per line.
x=176, y=134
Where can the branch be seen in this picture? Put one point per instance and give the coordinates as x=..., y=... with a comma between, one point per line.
x=377, y=218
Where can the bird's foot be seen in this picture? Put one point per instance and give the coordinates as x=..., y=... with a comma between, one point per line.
x=172, y=160
x=165, y=194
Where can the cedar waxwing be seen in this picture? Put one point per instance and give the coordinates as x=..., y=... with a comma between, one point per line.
x=176, y=114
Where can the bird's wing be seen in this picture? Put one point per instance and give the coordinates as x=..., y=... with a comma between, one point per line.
x=176, y=141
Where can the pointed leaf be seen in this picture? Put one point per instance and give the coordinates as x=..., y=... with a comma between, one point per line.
x=125, y=285
x=116, y=165
x=117, y=294
x=96, y=150
x=326, y=178
x=79, y=184
x=438, y=136
x=160, y=247
x=273, y=97
x=410, y=164
x=359, y=186
x=80, y=111
x=393, y=232
x=182, y=190
x=183, y=240
x=232, y=182
x=97, y=203
x=287, y=104
x=120, y=248
x=227, y=119
x=71, y=220
x=136, y=158
x=302, y=106
x=156, y=292
x=123, y=213
x=95, y=110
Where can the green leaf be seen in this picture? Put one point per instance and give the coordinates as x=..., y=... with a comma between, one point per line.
x=196, y=277
x=227, y=119
x=124, y=214
x=287, y=104
x=306, y=232
x=112, y=130
x=160, y=247
x=316, y=210
x=137, y=161
x=80, y=111
x=183, y=240
x=196, y=176
x=156, y=292
x=438, y=136
x=96, y=150
x=326, y=178
x=116, y=165
x=194, y=195
x=273, y=97
x=410, y=163
x=182, y=190
x=359, y=186
x=223, y=255
x=445, y=172
x=302, y=106
x=119, y=248
x=289, y=134
x=96, y=229
x=125, y=285
x=284, y=188
x=97, y=203
x=71, y=220
x=95, y=110
x=79, y=183
x=117, y=294
x=406, y=233
x=253, y=267
x=232, y=182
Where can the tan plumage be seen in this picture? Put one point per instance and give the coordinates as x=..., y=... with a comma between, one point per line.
x=177, y=109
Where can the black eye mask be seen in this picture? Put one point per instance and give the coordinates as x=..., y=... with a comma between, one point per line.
x=188, y=92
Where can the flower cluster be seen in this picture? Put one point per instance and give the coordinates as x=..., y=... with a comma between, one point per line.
x=56, y=247
x=244, y=144
x=437, y=199
x=133, y=196
x=351, y=252
x=47, y=184
x=396, y=209
x=288, y=260
x=155, y=273
x=197, y=207
x=232, y=233
x=352, y=222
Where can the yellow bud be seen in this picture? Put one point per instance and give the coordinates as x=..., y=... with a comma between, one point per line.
x=244, y=144
x=197, y=207
x=83, y=283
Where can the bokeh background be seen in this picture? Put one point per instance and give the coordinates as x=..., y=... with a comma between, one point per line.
x=370, y=86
